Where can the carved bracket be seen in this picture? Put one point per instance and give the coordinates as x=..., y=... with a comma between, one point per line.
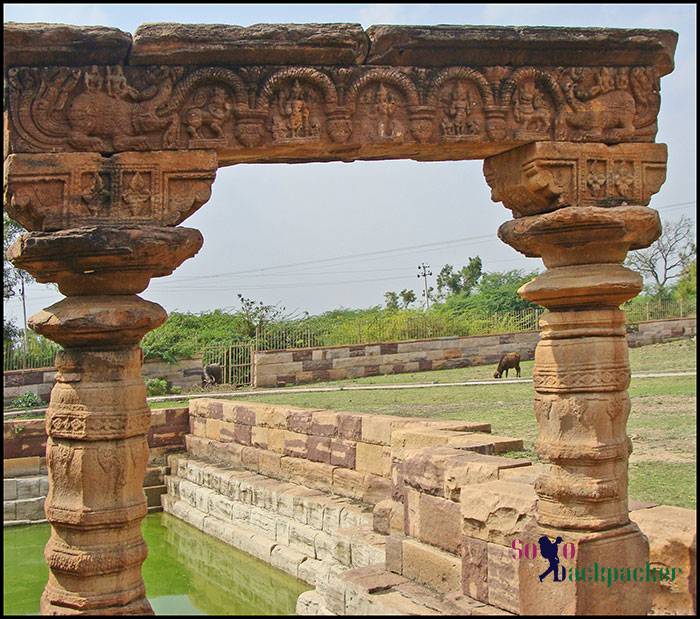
x=544, y=176
x=57, y=191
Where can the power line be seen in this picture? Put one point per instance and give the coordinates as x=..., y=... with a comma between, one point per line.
x=436, y=246
x=381, y=252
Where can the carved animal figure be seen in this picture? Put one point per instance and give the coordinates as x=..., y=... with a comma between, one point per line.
x=212, y=375
x=118, y=117
x=509, y=361
x=213, y=114
x=597, y=106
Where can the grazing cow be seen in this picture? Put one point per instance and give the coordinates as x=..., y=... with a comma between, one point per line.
x=211, y=375
x=508, y=361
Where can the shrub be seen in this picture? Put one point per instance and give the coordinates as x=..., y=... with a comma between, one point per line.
x=28, y=400
x=157, y=386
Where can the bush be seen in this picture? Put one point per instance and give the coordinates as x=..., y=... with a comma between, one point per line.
x=157, y=386
x=28, y=400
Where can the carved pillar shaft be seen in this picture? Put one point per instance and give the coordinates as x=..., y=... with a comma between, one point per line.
x=97, y=241
x=574, y=210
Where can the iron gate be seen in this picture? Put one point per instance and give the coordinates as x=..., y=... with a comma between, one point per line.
x=235, y=359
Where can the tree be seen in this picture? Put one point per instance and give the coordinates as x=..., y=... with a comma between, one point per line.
x=257, y=315
x=666, y=258
x=495, y=293
x=463, y=281
x=407, y=297
x=687, y=288
x=392, y=300
x=14, y=279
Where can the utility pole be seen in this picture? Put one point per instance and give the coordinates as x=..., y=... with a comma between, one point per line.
x=24, y=312
x=424, y=271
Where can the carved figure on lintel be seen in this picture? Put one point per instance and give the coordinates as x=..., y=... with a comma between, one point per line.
x=459, y=108
x=292, y=116
x=597, y=105
x=212, y=109
x=380, y=114
x=531, y=110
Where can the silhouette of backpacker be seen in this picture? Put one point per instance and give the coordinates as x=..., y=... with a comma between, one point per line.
x=550, y=550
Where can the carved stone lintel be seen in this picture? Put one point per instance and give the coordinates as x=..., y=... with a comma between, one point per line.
x=306, y=112
x=544, y=176
x=53, y=192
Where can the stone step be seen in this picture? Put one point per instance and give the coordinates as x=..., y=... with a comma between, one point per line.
x=153, y=495
x=375, y=591
x=310, y=507
x=24, y=510
x=304, y=532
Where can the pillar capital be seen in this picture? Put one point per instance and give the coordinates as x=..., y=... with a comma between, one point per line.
x=55, y=191
x=544, y=176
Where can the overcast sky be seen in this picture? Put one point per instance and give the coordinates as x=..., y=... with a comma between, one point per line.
x=275, y=215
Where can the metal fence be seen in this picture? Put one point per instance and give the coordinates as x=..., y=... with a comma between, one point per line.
x=235, y=358
x=40, y=353
x=397, y=328
x=658, y=310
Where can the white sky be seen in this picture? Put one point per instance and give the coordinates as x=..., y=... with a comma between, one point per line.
x=267, y=215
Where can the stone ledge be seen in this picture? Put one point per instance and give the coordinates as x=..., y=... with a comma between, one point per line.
x=434, y=46
x=274, y=44
x=39, y=44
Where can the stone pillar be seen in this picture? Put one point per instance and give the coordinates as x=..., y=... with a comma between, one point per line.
x=581, y=208
x=101, y=229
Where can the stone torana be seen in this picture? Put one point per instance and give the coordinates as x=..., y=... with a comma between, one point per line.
x=112, y=141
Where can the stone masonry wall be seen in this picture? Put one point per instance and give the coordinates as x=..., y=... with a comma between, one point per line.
x=287, y=367
x=185, y=373
x=25, y=480
x=278, y=368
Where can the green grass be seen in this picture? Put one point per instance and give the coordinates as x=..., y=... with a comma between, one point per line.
x=664, y=483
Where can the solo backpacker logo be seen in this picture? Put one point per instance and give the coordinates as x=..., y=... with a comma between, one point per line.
x=550, y=552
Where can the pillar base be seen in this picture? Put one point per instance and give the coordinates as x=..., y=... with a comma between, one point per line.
x=596, y=579
x=137, y=607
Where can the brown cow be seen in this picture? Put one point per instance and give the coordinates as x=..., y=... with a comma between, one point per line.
x=508, y=361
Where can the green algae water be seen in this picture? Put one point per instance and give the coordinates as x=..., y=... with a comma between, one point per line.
x=186, y=573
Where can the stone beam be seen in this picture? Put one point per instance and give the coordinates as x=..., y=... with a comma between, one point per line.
x=330, y=92
x=581, y=208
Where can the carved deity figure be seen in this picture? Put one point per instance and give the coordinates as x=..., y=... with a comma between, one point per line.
x=459, y=107
x=292, y=117
x=212, y=112
x=531, y=110
x=385, y=105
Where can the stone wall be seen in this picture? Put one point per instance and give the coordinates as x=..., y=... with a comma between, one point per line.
x=384, y=515
x=657, y=331
x=185, y=373
x=25, y=479
x=278, y=368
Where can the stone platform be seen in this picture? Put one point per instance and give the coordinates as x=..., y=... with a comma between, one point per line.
x=382, y=514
